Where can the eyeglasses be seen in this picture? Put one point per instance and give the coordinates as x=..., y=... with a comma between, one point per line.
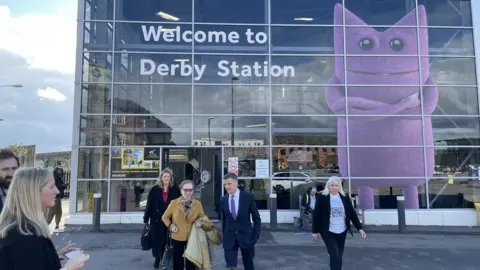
x=188, y=190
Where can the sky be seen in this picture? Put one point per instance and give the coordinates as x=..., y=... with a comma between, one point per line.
x=37, y=50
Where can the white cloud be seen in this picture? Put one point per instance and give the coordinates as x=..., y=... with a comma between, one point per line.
x=47, y=41
x=51, y=94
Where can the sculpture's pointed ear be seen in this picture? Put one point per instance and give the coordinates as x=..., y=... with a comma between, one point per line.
x=411, y=18
x=350, y=18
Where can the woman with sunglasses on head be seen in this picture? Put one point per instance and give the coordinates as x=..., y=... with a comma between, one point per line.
x=331, y=219
x=25, y=241
x=158, y=200
x=181, y=215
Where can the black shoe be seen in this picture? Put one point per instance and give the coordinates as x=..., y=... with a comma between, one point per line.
x=156, y=265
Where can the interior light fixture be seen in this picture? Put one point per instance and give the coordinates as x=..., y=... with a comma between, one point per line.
x=167, y=16
x=182, y=60
x=258, y=125
x=167, y=29
x=303, y=19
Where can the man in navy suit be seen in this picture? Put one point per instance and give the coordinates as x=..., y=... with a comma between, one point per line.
x=236, y=209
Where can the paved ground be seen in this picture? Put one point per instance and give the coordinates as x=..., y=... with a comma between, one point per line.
x=287, y=250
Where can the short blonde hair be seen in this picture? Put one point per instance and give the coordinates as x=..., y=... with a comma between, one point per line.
x=23, y=209
x=159, y=180
x=333, y=180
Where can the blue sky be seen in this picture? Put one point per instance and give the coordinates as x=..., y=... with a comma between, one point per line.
x=34, y=6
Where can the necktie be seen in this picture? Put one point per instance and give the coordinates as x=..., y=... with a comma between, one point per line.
x=232, y=207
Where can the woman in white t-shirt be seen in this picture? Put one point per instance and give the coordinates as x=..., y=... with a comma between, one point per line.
x=331, y=219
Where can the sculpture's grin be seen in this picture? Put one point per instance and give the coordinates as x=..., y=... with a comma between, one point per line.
x=382, y=73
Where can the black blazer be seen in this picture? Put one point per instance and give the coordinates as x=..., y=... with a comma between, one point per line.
x=240, y=229
x=321, y=215
x=21, y=252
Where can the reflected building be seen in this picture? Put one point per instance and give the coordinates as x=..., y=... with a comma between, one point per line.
x=218, y=99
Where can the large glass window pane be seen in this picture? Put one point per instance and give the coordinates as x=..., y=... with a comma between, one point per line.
x=233, y=69
x=153, y=37
x=452, y=71
x=95, y=98
x=454, y=131
x=93, y=163
x=135, y=162
x=247, y=131
x=386, y=197
x=305, y=130
x=233, y=11
x=98, y=9
x=155, y=68
x=302, y=69
x=129, y=195
x=154, y=10
x=152, y=99
x=314, y=162
x=456, y=182
x=97, y=67
x=447, y=12
x=302, y=40
x=247, y=160
x=85, y=191
x=94, y=130
x=302, y=99
x=231, y=39
x=450, y=41
x=303, y=11
x=457, y=100
x=217, y=99
x=151, y=130
x=98, y=36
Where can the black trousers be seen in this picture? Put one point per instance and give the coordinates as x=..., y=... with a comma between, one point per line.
x=179, y=262
x=247, y=256
x=335, y=243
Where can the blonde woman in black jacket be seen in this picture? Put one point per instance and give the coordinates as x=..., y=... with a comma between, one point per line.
x=331, y=219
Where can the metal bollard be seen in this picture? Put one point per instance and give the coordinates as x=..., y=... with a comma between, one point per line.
x=273, y=211
x=97, y=209
x=402, y=224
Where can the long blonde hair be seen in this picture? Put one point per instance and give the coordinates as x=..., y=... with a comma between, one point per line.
x=23, y=208
x=333, y=180
x=159, y=180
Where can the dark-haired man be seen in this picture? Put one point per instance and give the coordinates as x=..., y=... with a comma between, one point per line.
x=236, y=209
x=9, y=163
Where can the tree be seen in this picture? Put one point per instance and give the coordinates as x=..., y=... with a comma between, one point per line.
x=26, y=153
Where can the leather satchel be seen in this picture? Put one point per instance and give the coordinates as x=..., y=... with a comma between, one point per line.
x=167, y=260
x=146, y=238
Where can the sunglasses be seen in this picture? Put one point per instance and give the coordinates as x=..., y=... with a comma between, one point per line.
x=188, y=190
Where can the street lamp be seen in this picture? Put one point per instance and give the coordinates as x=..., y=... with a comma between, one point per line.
x=209, y=121
x=12, y=85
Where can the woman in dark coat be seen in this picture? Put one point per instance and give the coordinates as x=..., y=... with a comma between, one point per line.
x=158, y=200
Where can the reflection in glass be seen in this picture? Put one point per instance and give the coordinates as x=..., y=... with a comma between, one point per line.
x=300, y=100
x=152, y=99
x=259, y=188
x=304, y=130
x=307, y=69
x=217, y=99
x=94, y=130
x=95, y=98
x=98, y=36
x=153, y=37
x=448, y=13
x=98, y=10
x=92, y=163
x=129, y=195
x=151, y=130
x=301, y=39
x=291, y=186
x=454, y=131
x=231, y=39
x=452, y=71
x=154, y=10
x=244, y=131
x=218, y=11
x=247, y=157
x=234, y=69
x=316, y=162
x=380, y=13
x=155, y=68
x=457, y=100
x=97, y=67
x=303, y=11
x=85, y=191
x=451, y=41
x=386, y=197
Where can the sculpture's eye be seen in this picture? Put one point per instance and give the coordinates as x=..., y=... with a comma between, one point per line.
x=397, y=44
x=366, y=44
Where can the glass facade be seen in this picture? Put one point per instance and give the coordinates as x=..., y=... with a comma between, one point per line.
x=287, y=93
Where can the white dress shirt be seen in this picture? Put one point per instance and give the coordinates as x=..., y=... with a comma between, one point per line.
x=236, y=199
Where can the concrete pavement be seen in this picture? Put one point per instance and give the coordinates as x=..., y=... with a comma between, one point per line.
x=288, y=250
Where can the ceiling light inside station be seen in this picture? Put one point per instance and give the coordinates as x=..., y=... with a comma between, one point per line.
x=167, y=16
x=303, y=19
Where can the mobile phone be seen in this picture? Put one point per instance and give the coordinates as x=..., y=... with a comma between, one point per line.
x=74, y=253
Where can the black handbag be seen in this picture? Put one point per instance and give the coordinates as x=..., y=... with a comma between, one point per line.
x=146, y=239
x=167, y=260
